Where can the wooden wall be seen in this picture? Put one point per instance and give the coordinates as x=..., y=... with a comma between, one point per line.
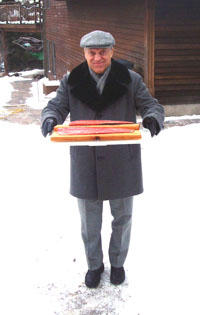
x=177, y=51
x=66, y=22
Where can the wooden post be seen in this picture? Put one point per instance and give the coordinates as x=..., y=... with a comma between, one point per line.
x=5, y=51
x=40, y=11
x=7, y=12
x=35, y=11
x=20, y=13
x=149, y=44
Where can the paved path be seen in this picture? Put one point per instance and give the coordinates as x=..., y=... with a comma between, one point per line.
x=17, y=109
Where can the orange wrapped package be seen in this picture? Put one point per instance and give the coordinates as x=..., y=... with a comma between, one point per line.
x=95, y=130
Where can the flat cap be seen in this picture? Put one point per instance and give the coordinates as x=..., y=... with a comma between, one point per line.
x=97, y=39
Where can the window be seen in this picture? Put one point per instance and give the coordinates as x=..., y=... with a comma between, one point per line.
x=46, y=4
x=48, y=54
x=51, y=57
x=53, y=48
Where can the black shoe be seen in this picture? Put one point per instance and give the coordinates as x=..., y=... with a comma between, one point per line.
x=117, y=275
x=93, y=277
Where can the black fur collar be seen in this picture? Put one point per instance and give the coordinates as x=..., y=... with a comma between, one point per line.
x=84, y=87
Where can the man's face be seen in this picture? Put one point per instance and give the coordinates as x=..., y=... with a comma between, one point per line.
x=98, y=59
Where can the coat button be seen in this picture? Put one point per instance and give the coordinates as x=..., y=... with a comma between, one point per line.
x=99, y=158
x=98, y=116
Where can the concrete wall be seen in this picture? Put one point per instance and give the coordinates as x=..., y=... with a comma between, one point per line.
x=182, y=109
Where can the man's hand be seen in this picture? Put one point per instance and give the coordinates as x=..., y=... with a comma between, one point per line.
x=151, y=124
x=48, y=125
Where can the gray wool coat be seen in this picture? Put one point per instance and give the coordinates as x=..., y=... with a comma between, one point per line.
x=113, y=171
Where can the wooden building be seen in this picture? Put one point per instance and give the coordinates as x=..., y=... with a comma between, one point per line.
x=161, y=38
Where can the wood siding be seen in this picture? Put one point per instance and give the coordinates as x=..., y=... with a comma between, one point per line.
x=149, y=44
x=66, y=22
x=177, y=51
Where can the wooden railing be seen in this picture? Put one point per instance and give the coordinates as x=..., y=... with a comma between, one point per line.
x=20, y=14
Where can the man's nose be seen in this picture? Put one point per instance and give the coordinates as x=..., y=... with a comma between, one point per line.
x=97, y=57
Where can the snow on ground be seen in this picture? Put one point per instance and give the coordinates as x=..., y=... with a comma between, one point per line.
x=37, y=100
x=43, y=264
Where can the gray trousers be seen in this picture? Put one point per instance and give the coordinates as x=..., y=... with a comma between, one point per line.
x=91, y=223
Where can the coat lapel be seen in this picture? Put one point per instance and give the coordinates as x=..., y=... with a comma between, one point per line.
x=83, y=86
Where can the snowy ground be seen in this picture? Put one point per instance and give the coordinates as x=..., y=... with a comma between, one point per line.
x=43, y=264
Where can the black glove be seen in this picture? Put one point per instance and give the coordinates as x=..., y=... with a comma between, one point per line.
x=48, y=125
x=151, y=124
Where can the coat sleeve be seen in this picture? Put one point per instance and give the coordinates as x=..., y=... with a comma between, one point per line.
x=147, y=106
x=58, y=107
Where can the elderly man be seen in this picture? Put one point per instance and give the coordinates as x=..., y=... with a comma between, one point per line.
x=102, y=88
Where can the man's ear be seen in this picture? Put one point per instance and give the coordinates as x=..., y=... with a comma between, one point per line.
x=84, y=52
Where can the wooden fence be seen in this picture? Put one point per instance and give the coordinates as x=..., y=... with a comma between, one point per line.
x=20, y=14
